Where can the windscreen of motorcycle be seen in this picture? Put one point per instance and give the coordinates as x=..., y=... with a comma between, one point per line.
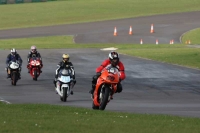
x=64, y=79
x=35, y=62
x=66, y=72
x=14, y=65
x=113, y=70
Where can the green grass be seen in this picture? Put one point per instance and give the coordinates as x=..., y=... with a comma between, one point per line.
x=193, y=36
x=41, y=42
x=55, y=119
x=76, y=11
x=175, y=54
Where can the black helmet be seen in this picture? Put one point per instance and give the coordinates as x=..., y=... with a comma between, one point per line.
x=114, y=58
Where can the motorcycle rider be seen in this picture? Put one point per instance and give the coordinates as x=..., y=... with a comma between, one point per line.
x=113, y=59
x=34, y=53
x=65, y=64
x=13, y=56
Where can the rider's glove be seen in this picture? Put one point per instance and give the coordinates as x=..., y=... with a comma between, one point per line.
x=98, y=74
x=54, y=81
x=74, y=81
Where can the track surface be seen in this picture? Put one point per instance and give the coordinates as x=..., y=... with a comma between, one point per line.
x=150, y=87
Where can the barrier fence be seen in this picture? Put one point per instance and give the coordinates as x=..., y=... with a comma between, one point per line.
x=21, y=1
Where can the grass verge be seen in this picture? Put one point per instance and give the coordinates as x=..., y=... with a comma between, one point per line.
x=193, y=36
x=54, y=119
x=76, y=11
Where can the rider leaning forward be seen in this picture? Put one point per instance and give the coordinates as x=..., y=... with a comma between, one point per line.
x=113, y=59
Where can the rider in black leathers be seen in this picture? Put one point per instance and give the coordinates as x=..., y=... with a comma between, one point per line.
x=65, y=63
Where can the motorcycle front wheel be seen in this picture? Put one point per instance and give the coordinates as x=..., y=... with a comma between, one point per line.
x=14, y=79
x=104, y=99
x=35, y=75
x=64, y=94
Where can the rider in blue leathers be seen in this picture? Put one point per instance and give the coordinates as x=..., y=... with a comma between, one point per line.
x=13, y=56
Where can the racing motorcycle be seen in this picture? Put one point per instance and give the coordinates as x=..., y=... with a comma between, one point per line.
x=106, y=86
x=35, y=67
x=64, y=84
x=13, y=70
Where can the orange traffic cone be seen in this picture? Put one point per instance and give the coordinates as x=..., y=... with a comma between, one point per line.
x=115, y=31
x=172, y=41
x=189, y=42
x=152, y=30
x=141, y=42
x=130, y=31
x=156, y=41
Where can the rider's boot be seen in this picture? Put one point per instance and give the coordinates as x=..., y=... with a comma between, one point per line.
x=92, y=90
x=41, y=68
x=8, y=76
x=111, y=96
x=19, y=75
x=55, y=89
x=54, y=81
x=72, y=92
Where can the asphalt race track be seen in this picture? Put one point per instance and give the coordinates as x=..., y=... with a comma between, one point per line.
x=150, y=87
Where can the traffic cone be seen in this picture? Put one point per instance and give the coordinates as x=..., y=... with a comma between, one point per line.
x=189, y=42
x=156, y=41
x=172, y=41
x=115, y=31
x=130, y=31
x=141, y=42
x=152, y=30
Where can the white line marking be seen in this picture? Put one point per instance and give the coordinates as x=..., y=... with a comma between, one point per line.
x=5, y=101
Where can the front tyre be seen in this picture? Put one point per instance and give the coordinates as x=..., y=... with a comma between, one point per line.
x=14, y=78
x=104, y=99
x=64, y=94
x=35, y=75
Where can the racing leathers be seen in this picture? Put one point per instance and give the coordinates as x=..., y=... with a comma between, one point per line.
x=14, y=57
x=104, y=64
x=62, y=65
x=31, y=55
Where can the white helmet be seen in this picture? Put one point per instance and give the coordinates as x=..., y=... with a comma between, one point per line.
x=114, y=58
x=13, y=51
x=33, y=49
